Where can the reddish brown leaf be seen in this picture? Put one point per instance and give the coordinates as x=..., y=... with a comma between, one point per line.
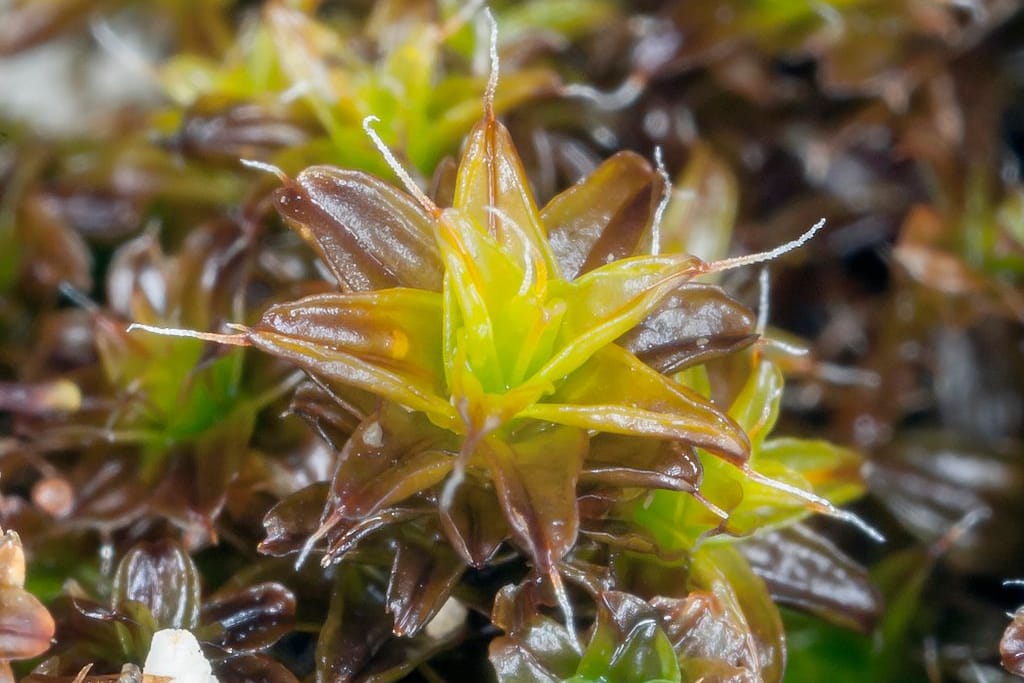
x=250, y=619
x=25, y=626
x=603, y=217
x=393, y=454
x=695, y=323
x=162, y=577
x=422, y=578
x=1011, y=647
x=474, y=523
x=804, y=569
x=538, y=491
x=369, y=234
x=627, y=461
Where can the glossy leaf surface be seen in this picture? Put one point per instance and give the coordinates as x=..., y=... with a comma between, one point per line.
x=752, y=637
x=422, y=578
x=604, y=217
x=627, y=644
x=25, y=626
x=250, y=619
x=162, y=577
x=1011, y=647
x=537, y=491
x=370, y=235
x=803, y=569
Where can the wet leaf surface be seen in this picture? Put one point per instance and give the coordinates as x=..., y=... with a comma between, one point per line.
x=537, y=492
x=504, y=397
x=604, y=217
x=694, y=325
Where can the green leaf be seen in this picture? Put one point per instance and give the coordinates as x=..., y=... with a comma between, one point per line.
x=628, y=644
x=492, y=192
x=647, y=404
x=756, y=408
x=387, y=342
x=831, y=471
x=605, y=303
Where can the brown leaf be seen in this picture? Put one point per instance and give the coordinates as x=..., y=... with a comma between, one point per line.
x=249, y=667
x=805, y=570
x=393, y=454
x=627, y=461
x=1011, y=647
x=603, y=217
x=250, y=619
x=387, y=342
x=293, y=520
x=422, y=578
x=210, y=130
x=474, y=523
x=26, y=627
x=162, y=577
x=369, y=234
x=695, y=323
x=538, y=491
x=355, y=629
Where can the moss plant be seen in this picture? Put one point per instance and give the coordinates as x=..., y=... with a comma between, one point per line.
x=354, y=363
x=485, y=351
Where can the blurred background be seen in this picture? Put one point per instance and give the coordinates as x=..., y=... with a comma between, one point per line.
x=899, y=121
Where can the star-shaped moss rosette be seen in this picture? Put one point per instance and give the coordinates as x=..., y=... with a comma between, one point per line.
x=488, y=348
x=164, y=424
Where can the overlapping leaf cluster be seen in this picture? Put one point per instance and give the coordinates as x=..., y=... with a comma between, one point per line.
x=515, y=428
x=475, y=346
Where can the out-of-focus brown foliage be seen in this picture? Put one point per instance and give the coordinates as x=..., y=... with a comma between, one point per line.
x=616, y=426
